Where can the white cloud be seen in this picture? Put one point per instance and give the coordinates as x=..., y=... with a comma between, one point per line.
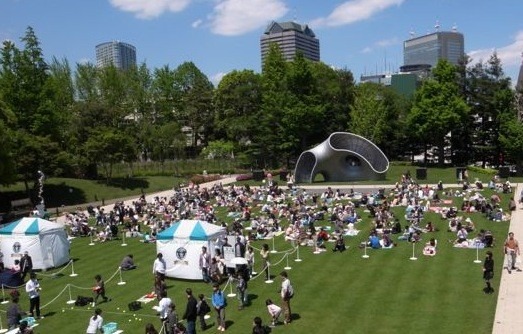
x=196, y=23
x=354, y=11
x=216, y=78
x=148, y=9
x=510, y=55
x=237, y=17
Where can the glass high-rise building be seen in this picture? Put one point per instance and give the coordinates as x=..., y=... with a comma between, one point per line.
x=291, y=37
x=429, y=49
x=121, y=55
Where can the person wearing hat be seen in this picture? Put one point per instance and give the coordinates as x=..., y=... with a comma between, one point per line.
x=32, y=287
x=26, y=264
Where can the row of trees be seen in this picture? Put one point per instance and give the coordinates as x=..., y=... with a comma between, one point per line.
x=71, y=122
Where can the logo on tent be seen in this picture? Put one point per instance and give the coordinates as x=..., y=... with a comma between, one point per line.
x=181, y=253
x=16, y=247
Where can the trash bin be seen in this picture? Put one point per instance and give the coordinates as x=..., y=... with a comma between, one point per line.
x=421, y=173
x=258, y=175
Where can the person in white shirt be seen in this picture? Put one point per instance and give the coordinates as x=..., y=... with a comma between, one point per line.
x=95, y=322
x=163, y=306
x=286, y=295
x=159, y=266
x=32, y=287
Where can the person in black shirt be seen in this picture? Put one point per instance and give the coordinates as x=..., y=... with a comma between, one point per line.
x=190, y=312
x=488, y=272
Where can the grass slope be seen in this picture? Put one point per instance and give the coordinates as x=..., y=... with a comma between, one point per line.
x=338, y=293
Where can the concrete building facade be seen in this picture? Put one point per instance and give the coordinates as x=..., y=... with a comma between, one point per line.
x=291, y=37
x=121, y=55
x=430, y=48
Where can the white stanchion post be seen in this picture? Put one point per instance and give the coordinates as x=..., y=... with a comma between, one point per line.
x=413, y=258
x=269, y=281
x=365, y=255
x=4, y=301
x=121, y=280
x=287, y=267
x=477, y=260
x=297, y=253
x=273, y=248
x=91, y=235
x=123, y=239
x=231, y=294
x=71, y=300
x=73, y=274
x=2, y=329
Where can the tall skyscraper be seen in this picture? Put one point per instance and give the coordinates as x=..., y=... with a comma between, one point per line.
x=291, y=37
x=121, y=55
x=429, y=49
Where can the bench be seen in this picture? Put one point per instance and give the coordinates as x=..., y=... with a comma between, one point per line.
x=21, y=203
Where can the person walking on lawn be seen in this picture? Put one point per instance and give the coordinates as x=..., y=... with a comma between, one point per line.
x=99, y=290
x=287, y=292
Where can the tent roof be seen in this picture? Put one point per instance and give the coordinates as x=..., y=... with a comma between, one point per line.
x=192, y=230
x=29, y=226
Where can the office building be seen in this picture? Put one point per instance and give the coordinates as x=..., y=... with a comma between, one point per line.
x=430, y=48
x=121, y=55
x=291, y=37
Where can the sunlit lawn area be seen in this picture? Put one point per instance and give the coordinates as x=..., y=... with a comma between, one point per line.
x=335, y=293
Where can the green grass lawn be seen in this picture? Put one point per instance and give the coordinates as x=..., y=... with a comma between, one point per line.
x=335, y=293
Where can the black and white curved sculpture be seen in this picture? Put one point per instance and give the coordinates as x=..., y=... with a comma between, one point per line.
x=342, y=157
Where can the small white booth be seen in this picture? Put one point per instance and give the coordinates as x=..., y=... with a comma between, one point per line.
x=181, y=245
x=45, y=241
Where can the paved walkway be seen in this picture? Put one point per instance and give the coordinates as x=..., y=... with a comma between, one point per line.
x=508, y=317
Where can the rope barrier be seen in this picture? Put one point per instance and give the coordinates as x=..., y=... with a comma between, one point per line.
x=56, y=273
x=55, y=298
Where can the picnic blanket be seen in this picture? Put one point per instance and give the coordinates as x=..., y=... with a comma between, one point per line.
x=470, y=243
x=147, y=298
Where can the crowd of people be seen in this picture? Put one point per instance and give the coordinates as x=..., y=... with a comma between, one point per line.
x=295, y=213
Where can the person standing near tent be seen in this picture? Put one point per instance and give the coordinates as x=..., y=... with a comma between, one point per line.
x=32, y=287
x=26, y=265
x=191, y=312
x=159, y=267
x=219, y=303
x=205, y=264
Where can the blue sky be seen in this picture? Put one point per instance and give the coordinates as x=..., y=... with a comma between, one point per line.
x=364, y=36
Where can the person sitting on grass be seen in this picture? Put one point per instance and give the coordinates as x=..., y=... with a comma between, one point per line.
x=340, y=244
x=430, y=247
x=128, y=263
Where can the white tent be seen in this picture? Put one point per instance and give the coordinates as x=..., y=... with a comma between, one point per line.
x=181, y=245
x=45, y=241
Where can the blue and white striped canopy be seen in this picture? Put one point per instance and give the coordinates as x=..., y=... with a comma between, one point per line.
x=29, y=226
x=192, y=230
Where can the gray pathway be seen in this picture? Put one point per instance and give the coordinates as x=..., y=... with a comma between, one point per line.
x=508, y=317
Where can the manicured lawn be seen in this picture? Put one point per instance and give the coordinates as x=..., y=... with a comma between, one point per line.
x=335, y=293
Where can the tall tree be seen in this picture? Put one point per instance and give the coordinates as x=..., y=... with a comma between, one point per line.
x=237, y=103
x=275, y=97
x=438, y=108
x=193, y=103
